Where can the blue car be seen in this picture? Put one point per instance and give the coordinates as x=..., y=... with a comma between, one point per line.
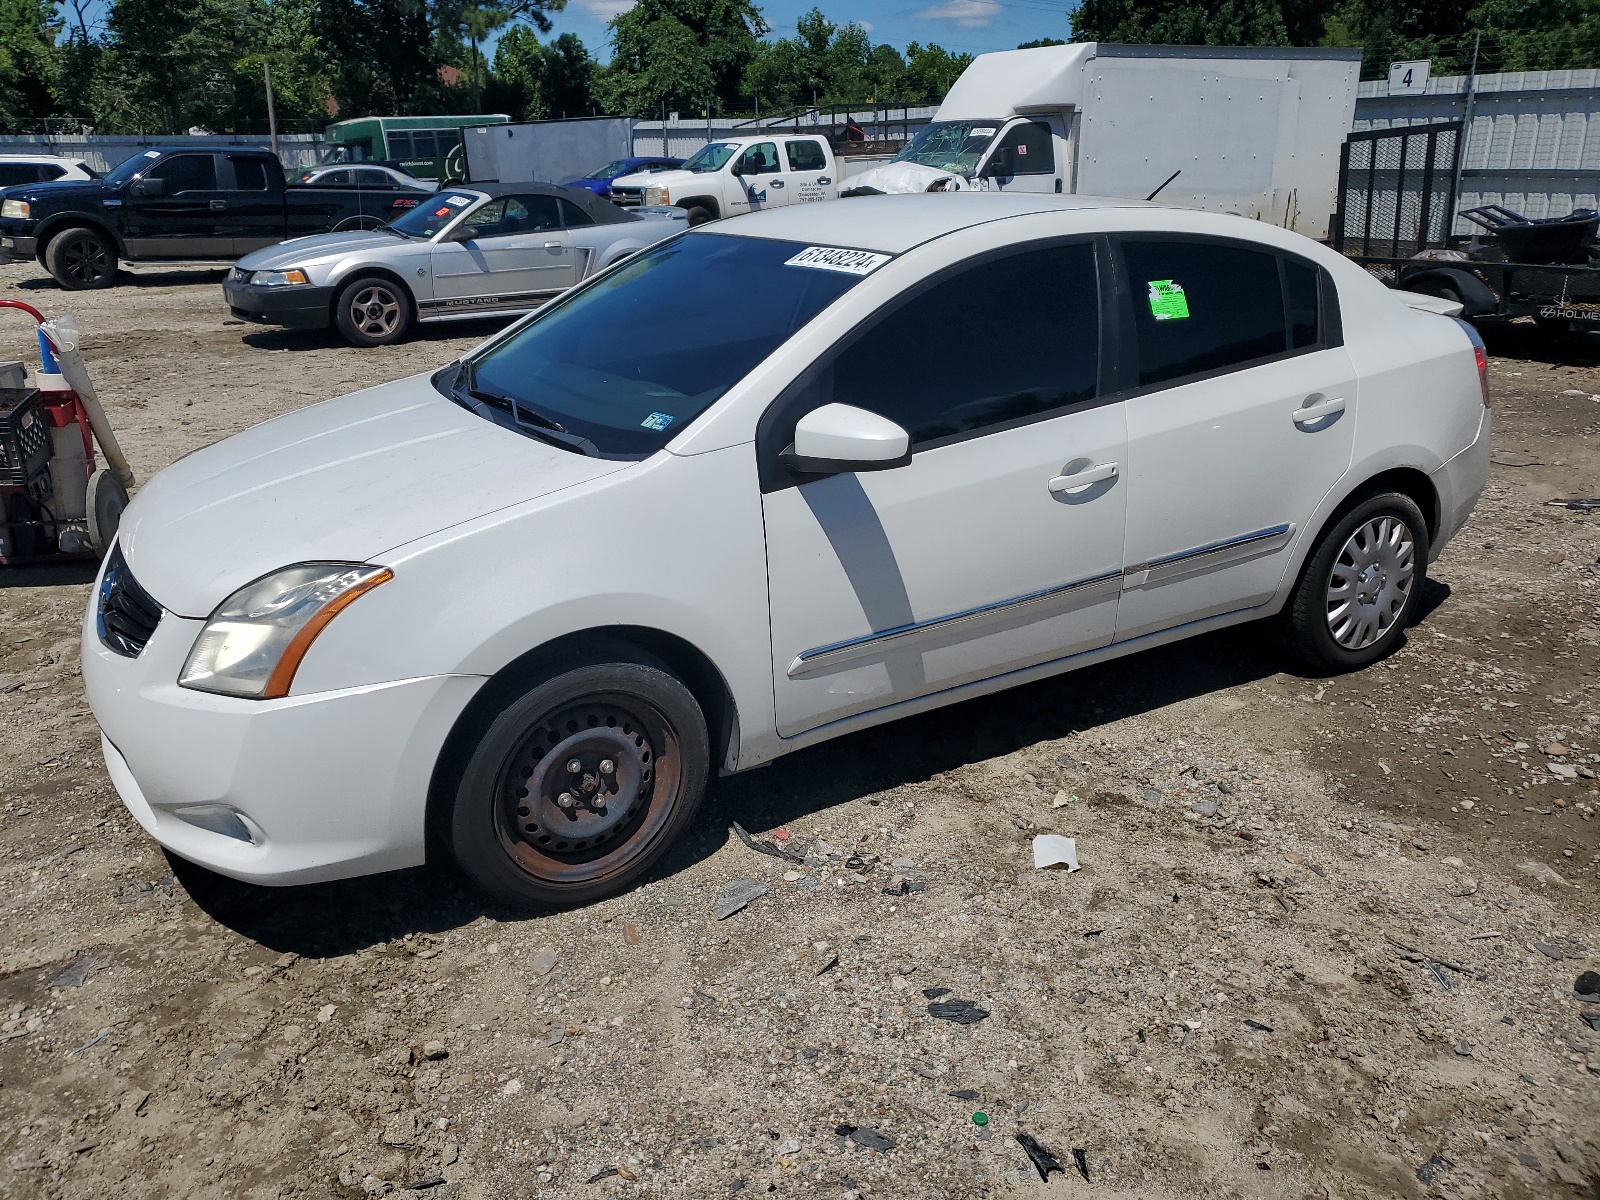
x=599, y=182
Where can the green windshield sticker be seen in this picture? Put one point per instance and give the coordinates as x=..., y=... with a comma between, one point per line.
x=1167, y=301
x=657, y=422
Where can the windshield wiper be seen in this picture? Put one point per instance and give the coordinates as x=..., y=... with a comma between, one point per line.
x=397, y=232
x=526, y=418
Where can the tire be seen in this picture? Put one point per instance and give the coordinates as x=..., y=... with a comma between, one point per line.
x=354, y=224
x=509, y=828
x=81, y=260
x=1379, y=547
x=373, y=311
x=699, y=215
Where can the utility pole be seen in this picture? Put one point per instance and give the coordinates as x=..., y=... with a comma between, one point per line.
x=1466, y=132
x=272, y=112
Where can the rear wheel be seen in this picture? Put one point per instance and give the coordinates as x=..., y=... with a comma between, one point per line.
x=372, y=311
x=81, y=259
x=1361, y=586
x=577, y=787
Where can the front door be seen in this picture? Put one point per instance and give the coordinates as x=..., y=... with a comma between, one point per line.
x=808, y=179
x=1244, y=421
x=188, y=219
x=1030, y=156
x=760, y=179
x=984, y=554
x=506, y=255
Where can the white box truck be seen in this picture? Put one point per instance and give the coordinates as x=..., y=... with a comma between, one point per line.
x=1251, y=130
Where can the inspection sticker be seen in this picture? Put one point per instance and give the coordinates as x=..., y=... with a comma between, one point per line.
x=656, y=422
x=832, y=258
x=1167, y=301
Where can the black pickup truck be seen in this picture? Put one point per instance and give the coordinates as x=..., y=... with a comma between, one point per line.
x=177, y=204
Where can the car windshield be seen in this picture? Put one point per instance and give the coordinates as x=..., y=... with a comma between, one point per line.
x=711, y=158
x=611, y=170
x=622, y=366
x=950, y=145
x=434, y=214
x=128, y=168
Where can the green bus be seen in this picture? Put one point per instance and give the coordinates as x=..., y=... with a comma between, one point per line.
x=427, y=147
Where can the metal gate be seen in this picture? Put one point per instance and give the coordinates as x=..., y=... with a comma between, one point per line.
x=1396, y=190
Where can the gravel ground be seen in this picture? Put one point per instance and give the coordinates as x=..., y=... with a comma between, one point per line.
x=1324, y=942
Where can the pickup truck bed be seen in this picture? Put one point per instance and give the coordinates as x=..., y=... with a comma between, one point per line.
x=178, y=204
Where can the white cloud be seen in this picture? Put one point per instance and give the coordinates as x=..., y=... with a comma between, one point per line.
x=969, y=14
x=867, y=25
x=604, y=10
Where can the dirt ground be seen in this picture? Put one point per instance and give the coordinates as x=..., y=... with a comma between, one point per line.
x=1324, y=942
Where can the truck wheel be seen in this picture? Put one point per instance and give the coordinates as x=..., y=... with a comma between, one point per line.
x=580, y=784
x=81, y=259
x=699, y=215
x=372, y=311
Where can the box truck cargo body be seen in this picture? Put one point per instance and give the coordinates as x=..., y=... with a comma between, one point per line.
x=1251, y=130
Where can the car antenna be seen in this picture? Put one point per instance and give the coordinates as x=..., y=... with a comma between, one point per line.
x=1164, y=183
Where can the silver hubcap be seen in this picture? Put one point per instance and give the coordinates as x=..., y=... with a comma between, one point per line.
x=375, y=311
x=1371, y=580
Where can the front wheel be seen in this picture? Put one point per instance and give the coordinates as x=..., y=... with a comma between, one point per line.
x=372, y=311
x=699, y=215
x=577, y=787
x=81, y=260
x=1361, y=586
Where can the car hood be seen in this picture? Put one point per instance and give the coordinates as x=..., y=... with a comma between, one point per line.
x=668, y=179
x=297, y=251
x=344, y=480
x=898, y=178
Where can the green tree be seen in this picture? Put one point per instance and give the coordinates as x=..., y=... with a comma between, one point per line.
x=823, y=63
x=1037, y=43
x=1183, y=22
x=536, y=81
x=29, y=61
x=682, y=54
x=930, y=72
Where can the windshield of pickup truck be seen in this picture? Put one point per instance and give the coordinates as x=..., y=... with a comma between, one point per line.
x=621, y=367
x=128, y=168
x=950, y=145
x=711, y=158
x=427, y=219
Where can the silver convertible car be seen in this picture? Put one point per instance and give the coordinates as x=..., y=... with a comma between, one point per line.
x=469, y=251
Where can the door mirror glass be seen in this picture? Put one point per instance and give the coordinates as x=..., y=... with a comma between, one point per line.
x=840, y=437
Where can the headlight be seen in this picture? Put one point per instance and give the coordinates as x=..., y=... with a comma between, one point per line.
x=14, y=208
x=279, y=278
x=655, y=195
x=252, y=645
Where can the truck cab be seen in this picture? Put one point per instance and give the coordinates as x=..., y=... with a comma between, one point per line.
x=738, y=175
x=1026, y=153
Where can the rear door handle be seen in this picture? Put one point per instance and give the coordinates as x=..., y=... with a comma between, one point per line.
x=1316, y=408
x=1082, y=479
x=219, y=206
x=824, y=180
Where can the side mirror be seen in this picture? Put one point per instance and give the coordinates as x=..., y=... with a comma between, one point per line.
x=149, y=187
x=839, y=438
x=1001, y=163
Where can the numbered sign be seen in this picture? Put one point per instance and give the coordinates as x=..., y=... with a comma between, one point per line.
x=1408, y=78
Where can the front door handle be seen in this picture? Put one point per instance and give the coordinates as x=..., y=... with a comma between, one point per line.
x=1082, y=479
x=219, y=206
x=777, y=183
x=552, y=245
x=1315, y=408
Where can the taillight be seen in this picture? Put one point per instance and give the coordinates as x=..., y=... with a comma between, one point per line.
x=1483, y=372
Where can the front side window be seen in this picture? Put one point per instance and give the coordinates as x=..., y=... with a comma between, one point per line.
x=761, y=159
x=625, y=364
x=426, y=220
x=711, y=158
x=187, y=173
x=999, y=343
x=1032, y=149
x=1202, y=306
x=806, y=155
x=950, y=145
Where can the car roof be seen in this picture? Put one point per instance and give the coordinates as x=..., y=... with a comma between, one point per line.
x=894, y=224
x=603, y=211
x=55, y=158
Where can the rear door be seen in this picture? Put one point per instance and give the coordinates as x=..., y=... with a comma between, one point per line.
x=189, y=219
x=1242, y=421
x=255, y=202
x=808, y=178
x=508, y=254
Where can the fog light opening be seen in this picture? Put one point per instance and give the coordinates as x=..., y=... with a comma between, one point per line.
x=220, y=818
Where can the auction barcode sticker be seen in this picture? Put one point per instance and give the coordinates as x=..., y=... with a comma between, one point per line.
x=832, y=258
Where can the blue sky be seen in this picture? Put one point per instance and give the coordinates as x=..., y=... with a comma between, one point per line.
x=973, y=26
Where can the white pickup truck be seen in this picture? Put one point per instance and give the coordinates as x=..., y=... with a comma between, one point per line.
x=738, y=175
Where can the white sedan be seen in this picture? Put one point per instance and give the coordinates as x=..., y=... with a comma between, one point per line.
x=774, y=480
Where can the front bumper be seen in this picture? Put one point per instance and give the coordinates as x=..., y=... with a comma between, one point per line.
x=1459, y=483
x=327, y=785
x=15, y=248
x=305, y=307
